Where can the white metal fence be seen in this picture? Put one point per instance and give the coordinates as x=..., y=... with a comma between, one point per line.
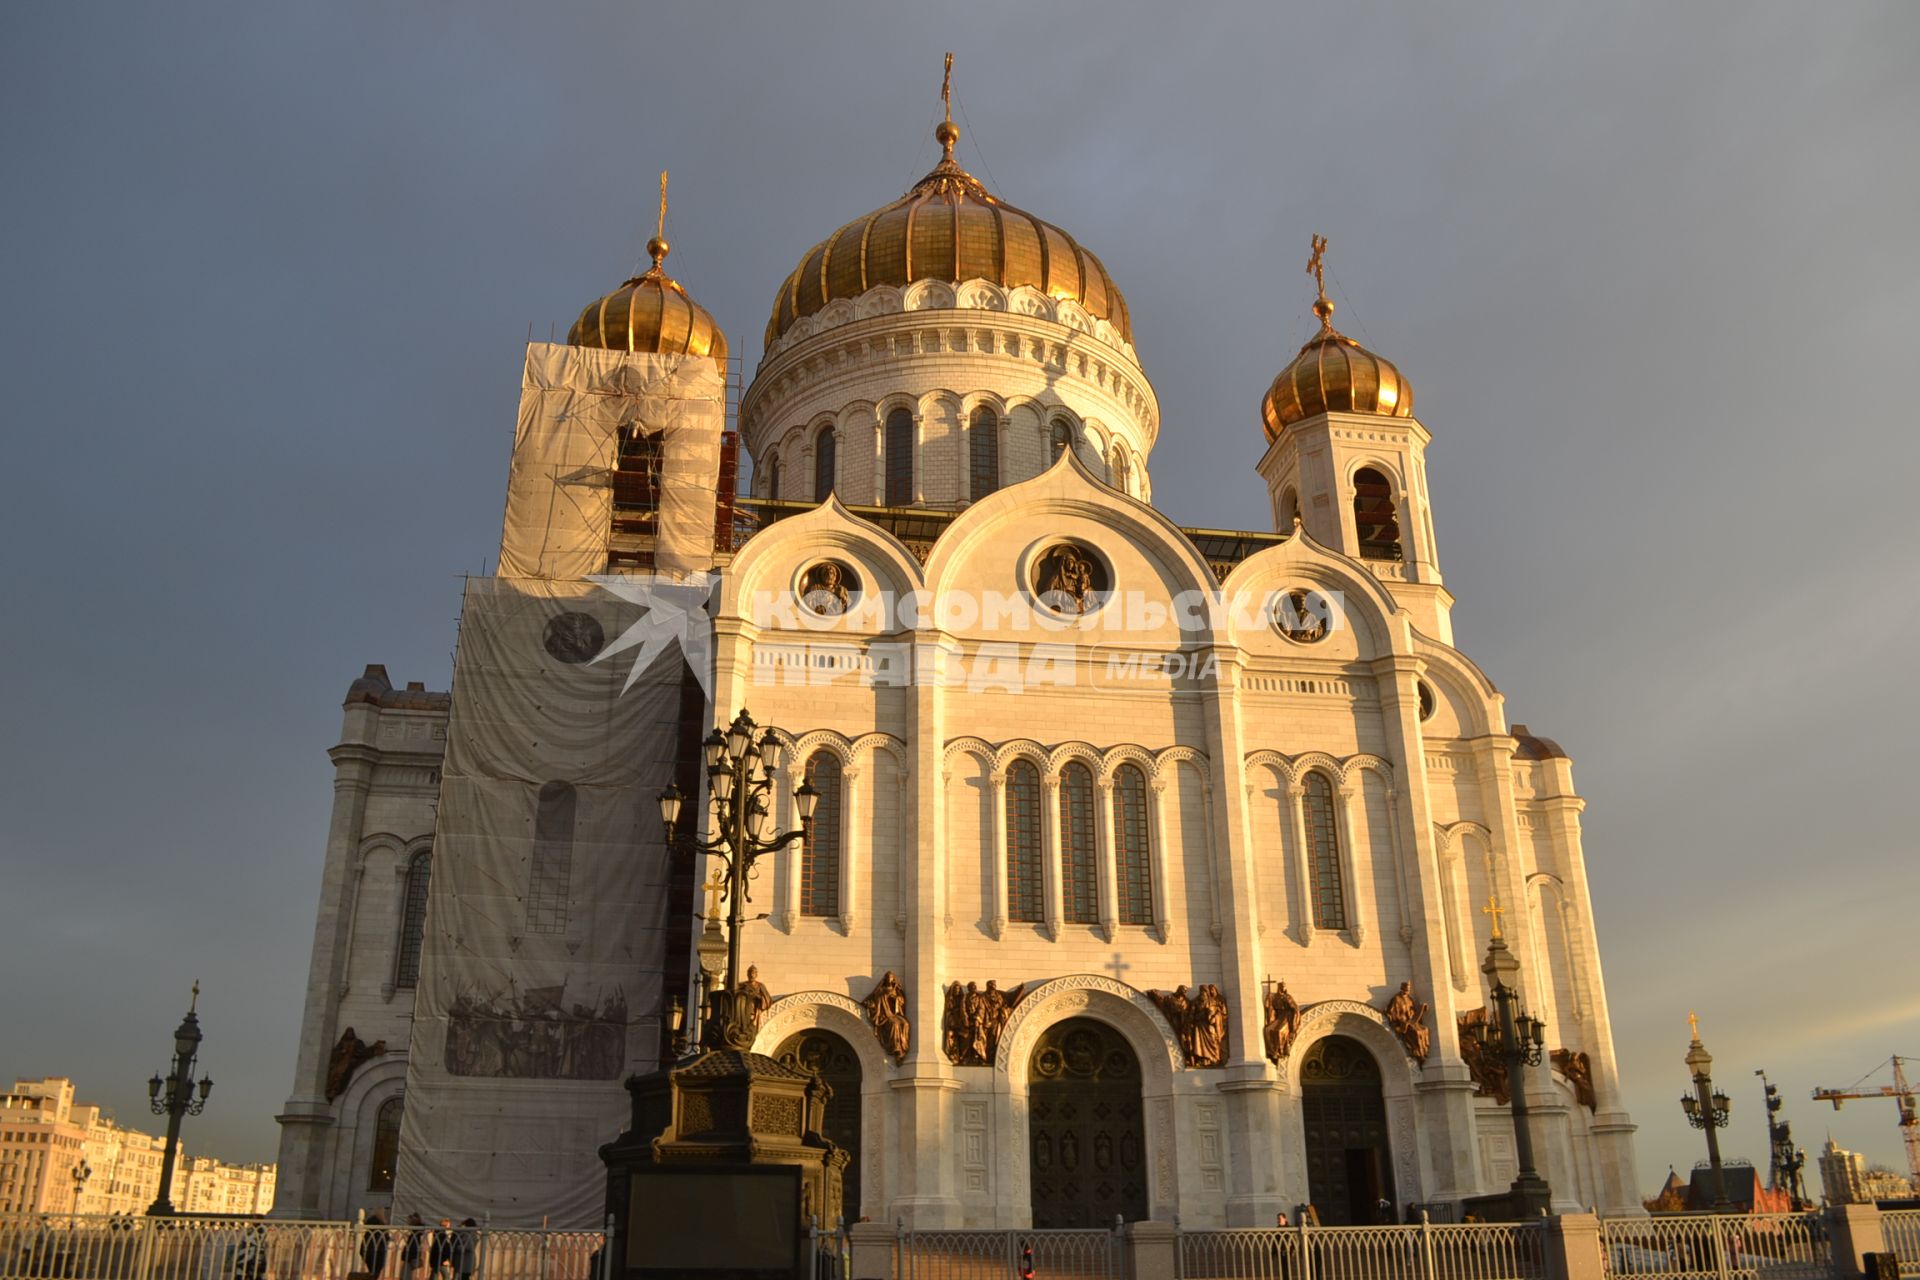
x=1475, y=1251
x=1767, y=1246
x=996, y=1255
x=59, y=1247
x=1901, y=1230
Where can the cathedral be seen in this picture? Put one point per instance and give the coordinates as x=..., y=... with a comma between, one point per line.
x=1149, y=870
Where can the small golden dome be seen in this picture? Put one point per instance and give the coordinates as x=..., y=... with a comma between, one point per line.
x=652, y=313
x=948, y=227
x=1333, y=374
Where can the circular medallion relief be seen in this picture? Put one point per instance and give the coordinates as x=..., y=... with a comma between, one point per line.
x=828, y=588
x=573, y=638
x=1302, y=615
x=1070, y=579
x=1426, y=700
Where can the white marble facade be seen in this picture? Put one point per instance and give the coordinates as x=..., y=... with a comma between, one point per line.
x=1373, y=768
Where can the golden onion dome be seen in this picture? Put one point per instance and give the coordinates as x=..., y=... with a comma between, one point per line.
x=948, y=227
x=651, y=313
x=1334, y=374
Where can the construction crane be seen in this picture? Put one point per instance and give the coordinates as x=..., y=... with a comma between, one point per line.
x=1903, y=1097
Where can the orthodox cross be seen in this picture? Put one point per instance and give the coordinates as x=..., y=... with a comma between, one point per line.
x=714, y=888
x=1694, y=1024
x=660, y=226
x=1494, y=910
x=946, y=89
x=1315, y=267
x=1117, y=966
x=195, y=1004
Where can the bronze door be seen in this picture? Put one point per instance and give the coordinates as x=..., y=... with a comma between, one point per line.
x=1349, y=1161
x=1086, y=1152
x=826, y=1055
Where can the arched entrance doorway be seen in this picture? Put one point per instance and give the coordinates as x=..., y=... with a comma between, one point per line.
x=826, y=1055
x=1086, y=1141
x=1349, y=1161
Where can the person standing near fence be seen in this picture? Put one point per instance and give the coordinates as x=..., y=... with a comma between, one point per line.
x=373, y=1247
x=465, y=1254
x=413, y=1249
x=440, y=1251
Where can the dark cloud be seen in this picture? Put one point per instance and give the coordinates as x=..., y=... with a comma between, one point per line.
x=1651, y=270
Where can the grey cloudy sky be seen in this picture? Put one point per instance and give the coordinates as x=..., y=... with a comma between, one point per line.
x=1652, y=270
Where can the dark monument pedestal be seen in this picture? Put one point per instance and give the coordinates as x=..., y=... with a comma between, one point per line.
x=721, y=1171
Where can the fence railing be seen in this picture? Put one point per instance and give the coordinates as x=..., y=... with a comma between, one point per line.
x=1428, y=1251
x=1773, y=1246
x=61, y=1247
x=1900, y=1228
x=998, y=1254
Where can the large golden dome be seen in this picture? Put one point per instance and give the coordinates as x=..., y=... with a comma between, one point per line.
x=651, y=313
x=948, y=227
x=1334, y=374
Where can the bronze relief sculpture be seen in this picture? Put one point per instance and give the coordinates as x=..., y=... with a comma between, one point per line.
x=886, y=1008
x=1406, y=1019
x=1488, y=1071
x=1578, y=1070
x=348, y=1057
x=973, y=1019
x=1199, y=1021
x=1283, y=1022
x=828, y=588
x=1068, y=580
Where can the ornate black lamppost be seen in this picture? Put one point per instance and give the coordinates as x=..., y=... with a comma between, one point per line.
x=175, y=1097
x=1785, y=1160
x=740, y=776
x=1709, y=1109
x=1516, y=1039
x=81, y=1172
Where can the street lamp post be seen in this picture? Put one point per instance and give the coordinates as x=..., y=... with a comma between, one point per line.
x=740, y=778
x=81, y=1172
x=1518, y=1040
x=1707, y=1109
x=177, y=1097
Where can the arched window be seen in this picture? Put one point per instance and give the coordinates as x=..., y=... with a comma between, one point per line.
x=1026, y=894
x=386, y=1145
x=825, y=450
x=1059, y=438
x=1079, y=896
x=1323, y=855
x=413, y=920
x=820, y=851
x=1289, y=507
x=1117, y=468
x=983, y=453
x=773, y=477
x=900, y=458
x=1131, y=859
x=1374, y=518
x=550, y=880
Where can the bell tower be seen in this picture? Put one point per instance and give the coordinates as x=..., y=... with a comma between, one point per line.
x=1346, y=459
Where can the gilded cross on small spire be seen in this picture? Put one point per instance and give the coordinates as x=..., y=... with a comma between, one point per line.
x=1494, y=910
x=195, y=1002
x=714, y=888
x=1693, y=1024
x=1316, y=267
x=947, y=132
x=658, y=246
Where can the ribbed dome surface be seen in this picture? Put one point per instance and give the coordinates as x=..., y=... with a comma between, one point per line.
x=1335, y=374
x=948, y=227
x=651, y=313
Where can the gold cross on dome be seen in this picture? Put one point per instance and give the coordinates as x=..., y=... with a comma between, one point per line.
x=660, y=226
x=946, y=90
x=1316, y=266
x=714, y=888
x=1495, y=911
